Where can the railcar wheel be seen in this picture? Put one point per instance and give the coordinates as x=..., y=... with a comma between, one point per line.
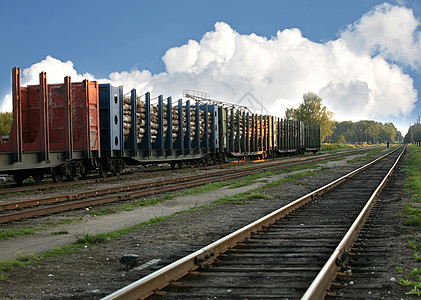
x=83, y=172
x=57, y=174
x=102, y=170
x=172, y=165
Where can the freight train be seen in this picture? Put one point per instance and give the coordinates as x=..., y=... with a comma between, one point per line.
x=72, y=129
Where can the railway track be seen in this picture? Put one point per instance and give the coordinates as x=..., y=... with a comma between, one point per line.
x=16, y=210
x=294, y=252
x=44, y=185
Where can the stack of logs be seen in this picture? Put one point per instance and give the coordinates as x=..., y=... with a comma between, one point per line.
x=127, y=118
x=141, y=123
x=241, y=125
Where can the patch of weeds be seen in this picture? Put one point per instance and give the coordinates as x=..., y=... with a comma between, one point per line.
x=415, y=290
x=6, y=234
x=335, y=146
x=243, y=198
x=399, y=269
x=337, y=158
x=204, y=188
x=301, y=167
x=263, y=181
x=412, y=280
x=3, y=276
x=413, y=215
x=64, y=221
x=93, y=239
x=414, y=244
x=102, y=212
x=242, y=182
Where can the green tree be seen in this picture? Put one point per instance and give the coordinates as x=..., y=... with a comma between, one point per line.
x=311, y=111
x=6, y=119
x=340, y=140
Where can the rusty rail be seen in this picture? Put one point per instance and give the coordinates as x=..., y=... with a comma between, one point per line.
x=319, y=288
x=161, y=278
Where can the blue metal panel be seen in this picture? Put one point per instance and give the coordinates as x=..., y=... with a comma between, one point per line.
x=146, y=144
x=188, y=129
x=196, y=141
x=168, y=140
x=111, y=114
x=132, y=141
x=160, y=140
x=179, y=144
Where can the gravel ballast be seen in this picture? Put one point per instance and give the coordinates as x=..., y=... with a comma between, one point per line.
x=96, y=271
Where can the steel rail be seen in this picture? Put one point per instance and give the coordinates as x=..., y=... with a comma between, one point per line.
x=12, y=216
x=146, y=188
x=319, y=287
x=148, y=285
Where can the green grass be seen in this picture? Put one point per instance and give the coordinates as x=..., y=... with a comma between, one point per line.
x=243, y=198
x=413, y=186
x=412, y=214
x=335, y=146
x=6, y=234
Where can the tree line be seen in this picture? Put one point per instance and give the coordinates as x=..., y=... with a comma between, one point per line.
x=370, y=132
x=312, y=111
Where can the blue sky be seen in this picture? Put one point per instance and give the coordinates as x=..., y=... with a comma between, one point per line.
x=101, y=38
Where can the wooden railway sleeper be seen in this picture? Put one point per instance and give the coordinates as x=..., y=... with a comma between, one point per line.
x=335, y=294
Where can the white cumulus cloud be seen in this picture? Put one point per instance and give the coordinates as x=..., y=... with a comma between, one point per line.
x=56, y=71
x=359, y=75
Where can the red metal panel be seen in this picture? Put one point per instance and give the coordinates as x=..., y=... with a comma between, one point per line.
x=14, y=143
x=78, y=116
x=85, y=115
x=57, y=103
x=68, y=136
x=30, y=112
x=44, y=132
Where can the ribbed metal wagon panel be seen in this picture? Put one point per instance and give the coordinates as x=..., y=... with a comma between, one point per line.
x=111, y=119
